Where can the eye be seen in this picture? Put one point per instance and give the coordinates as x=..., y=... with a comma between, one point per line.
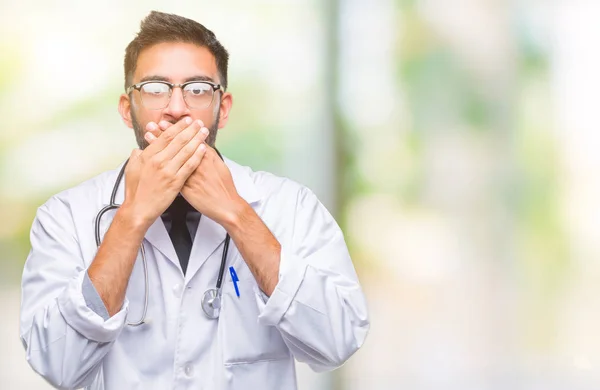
x=198, y=89
x=155, y=89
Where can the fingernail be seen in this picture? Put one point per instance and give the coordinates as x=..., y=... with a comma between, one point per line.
x=149, y=137
x=188, y=120
x=204, y=130
x=151, y=126
x=200, y=123
x=163, y=124
x=202, y=146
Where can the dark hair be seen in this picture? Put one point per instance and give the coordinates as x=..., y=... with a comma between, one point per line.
x=159, y=27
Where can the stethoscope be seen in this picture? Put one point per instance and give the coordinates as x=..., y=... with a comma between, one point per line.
x=211, y=300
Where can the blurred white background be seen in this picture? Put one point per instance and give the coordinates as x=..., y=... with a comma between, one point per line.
x=456, y=142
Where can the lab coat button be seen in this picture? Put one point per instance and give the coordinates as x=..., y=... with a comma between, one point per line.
x=177, y=290
x=189, y=370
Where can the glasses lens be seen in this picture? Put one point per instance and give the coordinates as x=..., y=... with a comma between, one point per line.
x=155, y=95
x=198, y=95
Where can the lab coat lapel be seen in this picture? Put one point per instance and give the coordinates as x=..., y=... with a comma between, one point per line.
x=157, y=234
x=210, y=236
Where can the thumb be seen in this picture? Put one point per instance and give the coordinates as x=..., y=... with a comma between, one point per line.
x=133, y=158
x=135, y=155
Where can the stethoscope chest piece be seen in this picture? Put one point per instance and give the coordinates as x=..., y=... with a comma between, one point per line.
x=211, y=303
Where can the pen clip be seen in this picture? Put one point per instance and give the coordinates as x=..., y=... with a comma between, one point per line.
x=235, y=280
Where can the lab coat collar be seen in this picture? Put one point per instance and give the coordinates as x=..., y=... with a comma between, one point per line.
x=243, y=182
x=209, y=235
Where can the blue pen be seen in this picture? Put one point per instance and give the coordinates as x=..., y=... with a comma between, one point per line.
x=234, y=279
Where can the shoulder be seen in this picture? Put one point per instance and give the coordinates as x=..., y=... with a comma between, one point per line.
x=283, y=201
x=271, y=187
x=89, y=190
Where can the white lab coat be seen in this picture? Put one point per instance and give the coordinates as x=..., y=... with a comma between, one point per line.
x=317, y=313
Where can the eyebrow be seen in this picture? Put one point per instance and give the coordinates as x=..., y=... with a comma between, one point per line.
x=163, y=78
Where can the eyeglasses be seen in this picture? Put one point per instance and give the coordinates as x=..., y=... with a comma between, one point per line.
x=156, y=95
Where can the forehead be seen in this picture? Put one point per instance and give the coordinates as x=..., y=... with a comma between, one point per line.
x=175, y=61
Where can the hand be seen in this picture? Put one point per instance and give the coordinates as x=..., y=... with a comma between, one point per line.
x=154, y=177
x=209, y=189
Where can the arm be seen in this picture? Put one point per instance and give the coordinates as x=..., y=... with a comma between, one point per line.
x=65, y=340
x=257, y=245
x=162, y=168
x=316, y=301
x=211, y=191
x=317, y=305
x=122, y=241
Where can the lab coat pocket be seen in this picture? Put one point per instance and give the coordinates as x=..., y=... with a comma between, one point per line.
x=244, y=339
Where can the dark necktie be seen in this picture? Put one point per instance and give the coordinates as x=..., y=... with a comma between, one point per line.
x=179, y=233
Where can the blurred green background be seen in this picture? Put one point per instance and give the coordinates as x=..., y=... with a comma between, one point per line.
x=456, y=142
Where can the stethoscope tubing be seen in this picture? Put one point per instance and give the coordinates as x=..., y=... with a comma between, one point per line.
x=113, y=206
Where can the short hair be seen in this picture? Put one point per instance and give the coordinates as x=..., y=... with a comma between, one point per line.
x=159, y=27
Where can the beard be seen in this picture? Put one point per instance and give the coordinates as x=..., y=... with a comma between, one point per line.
x=142, y=143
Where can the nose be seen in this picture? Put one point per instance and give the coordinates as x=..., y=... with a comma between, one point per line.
x=176, y=109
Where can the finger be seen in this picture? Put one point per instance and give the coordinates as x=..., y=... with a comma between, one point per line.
x=204, y=133
x=188, y=150
x=192, y=163
x=164, y=125
x=153, y=129
x=150, y=137
x=212, y=154
x=153, y=134
x=167, y=136
x=179, y=142
x=156, y=132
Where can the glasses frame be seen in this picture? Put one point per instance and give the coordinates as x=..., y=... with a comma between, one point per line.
x=216, y=87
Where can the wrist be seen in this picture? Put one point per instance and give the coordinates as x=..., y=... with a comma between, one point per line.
x=133, y=220
x=237, y=213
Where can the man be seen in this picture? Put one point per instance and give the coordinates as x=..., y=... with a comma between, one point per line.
x=289, y=289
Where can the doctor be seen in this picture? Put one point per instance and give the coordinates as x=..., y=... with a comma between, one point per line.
x=115, y=316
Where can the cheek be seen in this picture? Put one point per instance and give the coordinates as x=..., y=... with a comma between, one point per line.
x=145, y=116
x=206, y=117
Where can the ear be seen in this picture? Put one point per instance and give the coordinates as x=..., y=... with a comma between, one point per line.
x=225, y=108
x=125, y=110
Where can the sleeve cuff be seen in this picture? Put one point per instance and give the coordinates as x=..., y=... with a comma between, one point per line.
x=83, y=319
x=274, y=307
x=92, y=298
